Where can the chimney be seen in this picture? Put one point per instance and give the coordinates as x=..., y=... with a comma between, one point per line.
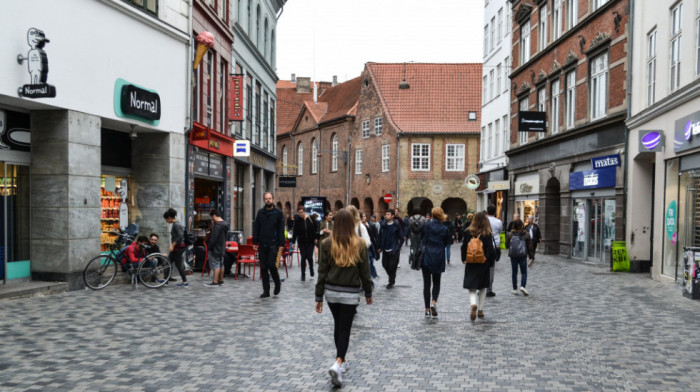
x=303, y=85
x=335, y=80
x=315, y=92
x=294, y=78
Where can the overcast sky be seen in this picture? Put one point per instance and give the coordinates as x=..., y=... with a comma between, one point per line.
x=348, y=33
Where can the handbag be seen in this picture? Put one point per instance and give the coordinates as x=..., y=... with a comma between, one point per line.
x=417, y=260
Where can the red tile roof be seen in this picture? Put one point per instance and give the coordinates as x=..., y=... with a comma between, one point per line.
x=438, y=101
x=289, y=103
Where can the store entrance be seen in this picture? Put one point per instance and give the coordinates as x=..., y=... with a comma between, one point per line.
x=593, y=225
x=14, y=222
x=208, y=195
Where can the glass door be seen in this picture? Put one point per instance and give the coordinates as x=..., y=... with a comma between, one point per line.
x=608, y=228
x=594, y=229
x=14, y=222
x=579, y=228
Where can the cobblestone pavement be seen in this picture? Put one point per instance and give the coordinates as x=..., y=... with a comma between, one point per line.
x=582, y=329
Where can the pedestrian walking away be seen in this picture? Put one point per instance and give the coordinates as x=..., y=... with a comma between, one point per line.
x=534, y=231
x=268, y=235
x=520, y=247
x=390, y=242
x=458, y=227
x=176, y=250
x=435, y=237
x=215, y=249
x=305, y=235
x=343, y=273
x=496, y=229
x=451, y=231
x=415, y=228
x=479, y=256
x=373, y=233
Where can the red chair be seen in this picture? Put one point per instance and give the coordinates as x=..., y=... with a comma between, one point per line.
x=283, y=260
x=206, y=257
x=290, y=250
x=247, y=255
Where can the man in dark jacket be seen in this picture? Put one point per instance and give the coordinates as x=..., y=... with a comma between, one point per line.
x=534, y=232
x=268, y=234
x=215, y=249
x=305, y=235
x=390, y=242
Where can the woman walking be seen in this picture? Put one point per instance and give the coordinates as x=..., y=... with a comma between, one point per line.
x=520, y=247
x=436, y=237
x=476, y=275
x=343, y=272
x=372, y=231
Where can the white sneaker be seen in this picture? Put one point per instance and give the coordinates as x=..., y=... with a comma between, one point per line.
x=344, y=367
x=515, y=292
x=525, y=293
x=336, y=374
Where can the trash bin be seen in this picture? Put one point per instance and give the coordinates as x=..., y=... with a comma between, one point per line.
x=691, y=269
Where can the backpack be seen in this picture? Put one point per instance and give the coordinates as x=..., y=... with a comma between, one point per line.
x=189, y=238
x=517, y=246
x=475, y=251
x=416, y=225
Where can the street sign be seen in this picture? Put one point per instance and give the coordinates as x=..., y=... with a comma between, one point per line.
x=241, y=148
x=387, y=198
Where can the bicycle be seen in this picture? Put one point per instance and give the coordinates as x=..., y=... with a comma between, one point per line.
x=153, y=270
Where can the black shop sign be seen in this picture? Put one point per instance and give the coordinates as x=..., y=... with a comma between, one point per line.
x=210, y=165
x=532, y=121
x=139, y=102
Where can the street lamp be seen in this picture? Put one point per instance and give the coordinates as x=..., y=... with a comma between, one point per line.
x=404, y=84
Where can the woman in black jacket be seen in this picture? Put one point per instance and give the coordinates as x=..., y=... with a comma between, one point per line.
x=476, y=275
x=436, y=237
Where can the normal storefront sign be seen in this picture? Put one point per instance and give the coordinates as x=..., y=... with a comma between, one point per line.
x=592, y=179
x=136, y=102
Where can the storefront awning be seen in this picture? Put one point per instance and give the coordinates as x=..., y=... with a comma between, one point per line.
x=211, y=140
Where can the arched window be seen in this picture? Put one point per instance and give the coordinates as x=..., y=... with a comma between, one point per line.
x=250, y=20
x=273, y=54
x=265, y=50
x=258, y=26
x=314, y=156
x=334, y=162
x=284, y=160
x=300, y=160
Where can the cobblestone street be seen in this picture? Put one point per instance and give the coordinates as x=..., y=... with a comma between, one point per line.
x=582, y=329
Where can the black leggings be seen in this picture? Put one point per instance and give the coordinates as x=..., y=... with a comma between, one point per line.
x=342, y=315
x=306, y=251
x=176, y=257
x=426, y=286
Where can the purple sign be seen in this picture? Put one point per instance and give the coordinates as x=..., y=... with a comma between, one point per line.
x=686, y=130
x=651, y=141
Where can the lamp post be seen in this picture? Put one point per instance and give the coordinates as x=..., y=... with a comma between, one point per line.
x=404, y=84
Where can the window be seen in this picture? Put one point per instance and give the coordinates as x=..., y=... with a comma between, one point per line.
x=484, y=89
x=491, y=81
x=378, y=126
x=599, y=86
x=675, y=47
x=358, y=161
x=499, y=30
x=525, y=42
x=524, y=107
x=224, y=10
x=570, y=109
x=554, y=114
x=483, y=143
x=697, y=47
x=250, y=20
x=496, y=137
x=147, y=5
x=571, y=13
x=273, y=144
x=385, y=158
x=365, y=129
x=334, y=148
x=249, y=107
x=314, y=156
x=265, y=122
x=284, y=160
x=489, y=145
x=266, y=32
x=498, y=80
x=506, y=133
x=598, y=3
x=651, y=68
x=541, y=106
x=420, y=157
x=300, y=160
x=486, y=40
x=210, y=88
x=454, y=157
x=556, y=19
x=506, y=70
x=542, y=33
x=492, y=37
x=258, y=26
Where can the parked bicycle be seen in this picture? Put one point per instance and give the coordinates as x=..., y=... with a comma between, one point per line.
x=152, y=271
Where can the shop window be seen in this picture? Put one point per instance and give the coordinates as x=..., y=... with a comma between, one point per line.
x=15, y=224
x=114, y=208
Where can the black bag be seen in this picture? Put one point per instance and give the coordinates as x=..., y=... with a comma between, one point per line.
x=517, y=246
x=189, y=238
x=417, y=258
x=416, y=225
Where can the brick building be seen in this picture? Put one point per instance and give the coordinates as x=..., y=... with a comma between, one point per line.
x=570, y=61
x=417, y=141
x=313, y=138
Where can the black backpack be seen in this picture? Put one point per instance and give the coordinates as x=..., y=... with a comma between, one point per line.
x=189, y=238
x=416, y=225
x=517, y=246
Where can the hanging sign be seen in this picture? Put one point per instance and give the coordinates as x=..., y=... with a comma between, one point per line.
x=136, y=102
x=241, y=148
x=651, y=141
x=472, y=181
x=235, y=98
x=37, y=66
x=288, y=182
x=532, y=121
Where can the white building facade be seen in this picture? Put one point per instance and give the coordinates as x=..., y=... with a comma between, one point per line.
x=93, y=112
x=495, y=107
x=664, y=147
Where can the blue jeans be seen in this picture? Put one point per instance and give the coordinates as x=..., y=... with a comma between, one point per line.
x=372, y=270
x=522, y=262
x=448, y=252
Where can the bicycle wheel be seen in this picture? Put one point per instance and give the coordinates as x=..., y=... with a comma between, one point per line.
x=100, y=272
x=154, y=270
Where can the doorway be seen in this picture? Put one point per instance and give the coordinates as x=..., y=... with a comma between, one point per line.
x=14, y=222
x=593, y=226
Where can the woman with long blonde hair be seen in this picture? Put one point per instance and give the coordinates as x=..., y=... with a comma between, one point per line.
x=360, y=229
x=476, y=275
x=343, y=272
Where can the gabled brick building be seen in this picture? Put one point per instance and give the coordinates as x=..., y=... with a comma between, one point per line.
x=417, y=143
x=570, y=61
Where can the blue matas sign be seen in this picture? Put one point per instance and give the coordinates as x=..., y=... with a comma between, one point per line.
x=591, y=179
x=606, y=161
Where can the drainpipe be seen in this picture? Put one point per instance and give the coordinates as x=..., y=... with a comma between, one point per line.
x=347, y=171
x=188, y=100
x=629, y=111
x=294, y=152
x=398, y=167
x=318, y=167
